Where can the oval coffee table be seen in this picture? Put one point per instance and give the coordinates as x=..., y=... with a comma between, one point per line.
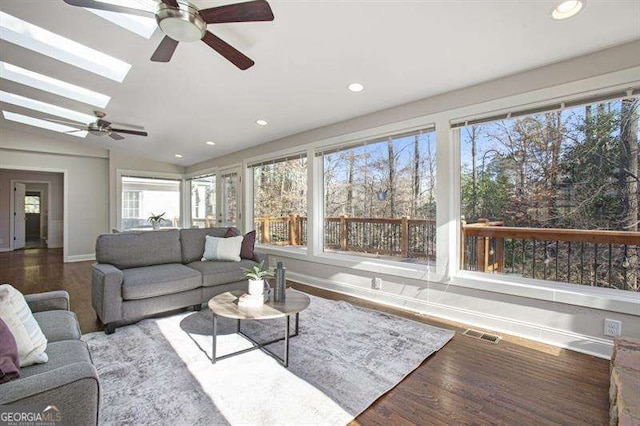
x=226, y=305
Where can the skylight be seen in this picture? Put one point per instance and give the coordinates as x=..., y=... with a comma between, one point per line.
x=140, y=25
x=32, y=37
x=36, y=122
x=46, y=108
x=52, y=85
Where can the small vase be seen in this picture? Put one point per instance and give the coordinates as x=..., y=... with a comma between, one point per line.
x=155, y=225
x=256, y=287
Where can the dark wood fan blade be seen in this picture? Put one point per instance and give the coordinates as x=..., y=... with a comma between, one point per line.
x=92, y=4
x=130, y=132
x=115, y=136
x=236, y=57
x=165, y=50
x=172, y=3
x=103, y=123
x=251, y=11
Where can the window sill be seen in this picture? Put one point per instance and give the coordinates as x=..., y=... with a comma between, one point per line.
x=414, y=271
x=586, y=296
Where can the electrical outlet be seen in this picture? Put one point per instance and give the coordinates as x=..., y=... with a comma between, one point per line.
x=376, y=283
x=612, y=328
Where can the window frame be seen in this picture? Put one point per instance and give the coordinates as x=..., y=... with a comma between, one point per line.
x=447, y=271
x=249, y=167
x=120, y=173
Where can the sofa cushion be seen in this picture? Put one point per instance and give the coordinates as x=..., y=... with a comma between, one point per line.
x=217, y=272
x=60, y=354
x=158, y=280
x=136, y=249
x=193, y=241
x=58, y=325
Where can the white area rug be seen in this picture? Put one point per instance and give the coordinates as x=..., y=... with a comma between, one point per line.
x=159, y=371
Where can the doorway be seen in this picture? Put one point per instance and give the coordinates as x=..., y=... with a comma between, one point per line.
x=31, y=209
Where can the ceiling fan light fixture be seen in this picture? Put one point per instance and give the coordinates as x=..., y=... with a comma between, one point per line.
x=184, y=24
x=568, y=8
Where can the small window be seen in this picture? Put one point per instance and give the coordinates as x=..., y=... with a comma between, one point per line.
x=203, y=202
x=32, y=204
x=280, y=201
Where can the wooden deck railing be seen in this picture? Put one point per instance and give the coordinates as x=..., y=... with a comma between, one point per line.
x=405, y=237
x=578, y=256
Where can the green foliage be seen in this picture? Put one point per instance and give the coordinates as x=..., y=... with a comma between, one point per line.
x=155, y=218
x=257, y=272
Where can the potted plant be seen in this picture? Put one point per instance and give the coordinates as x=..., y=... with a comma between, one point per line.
x=256, y=277
x=156, y=220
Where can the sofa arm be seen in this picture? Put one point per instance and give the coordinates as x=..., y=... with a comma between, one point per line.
x=74, y=389
x=259, y=257
x=49, y=301
x=106, y=292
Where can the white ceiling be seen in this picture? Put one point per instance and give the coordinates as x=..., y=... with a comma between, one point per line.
x=400, y=50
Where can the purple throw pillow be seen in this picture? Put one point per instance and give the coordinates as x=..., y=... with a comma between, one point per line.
x=248, y=243
x=232, y=232
x=9, y=364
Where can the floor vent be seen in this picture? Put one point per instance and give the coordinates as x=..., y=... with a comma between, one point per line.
x=482, y=336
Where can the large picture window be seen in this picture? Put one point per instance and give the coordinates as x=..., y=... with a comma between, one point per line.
x=380, y=199
x=203, y=201
x=143, y=197
x=554, y=195
x=280, y=201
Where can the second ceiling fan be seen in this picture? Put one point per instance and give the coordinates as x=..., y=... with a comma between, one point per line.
x=181, y=21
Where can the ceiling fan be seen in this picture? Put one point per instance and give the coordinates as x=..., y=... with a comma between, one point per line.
x=100, y=127
x=181, y=21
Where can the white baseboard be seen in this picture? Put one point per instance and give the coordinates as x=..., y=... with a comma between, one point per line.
x=4, y=249
x=54, y=245
x=80, y=258
x=590, y=345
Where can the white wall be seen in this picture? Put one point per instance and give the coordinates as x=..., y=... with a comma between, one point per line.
x=54, y=213
x=86, y=185
x=525, y=311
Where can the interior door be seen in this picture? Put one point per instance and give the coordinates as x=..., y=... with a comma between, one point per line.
x=19, y=218
x=230, y=200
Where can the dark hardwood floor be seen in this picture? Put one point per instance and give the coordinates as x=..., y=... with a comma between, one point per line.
x=515, y=382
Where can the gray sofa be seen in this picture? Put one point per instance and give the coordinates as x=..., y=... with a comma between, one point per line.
x=68, y=380
x=145, y=273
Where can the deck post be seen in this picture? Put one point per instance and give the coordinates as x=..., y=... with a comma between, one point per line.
x=344, y=229
x=404, y=236
x=293, y=229
x=265, y=230
x=463, y=246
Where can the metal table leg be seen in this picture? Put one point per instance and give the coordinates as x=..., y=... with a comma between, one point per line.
x=215, y=337
x=286, y=343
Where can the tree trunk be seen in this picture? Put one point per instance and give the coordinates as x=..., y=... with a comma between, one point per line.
x=392, y=178
x=628, y=165
x=350, y=184
x=416, y=177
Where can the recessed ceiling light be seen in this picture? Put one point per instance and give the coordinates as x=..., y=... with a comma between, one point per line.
x=356, y=87
x=36, y=122
x=567, y=9
x=210, y=143
x=177, y=155
x=46, y=108
x=52, y=85
x=261, y=122
x=32, y=37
